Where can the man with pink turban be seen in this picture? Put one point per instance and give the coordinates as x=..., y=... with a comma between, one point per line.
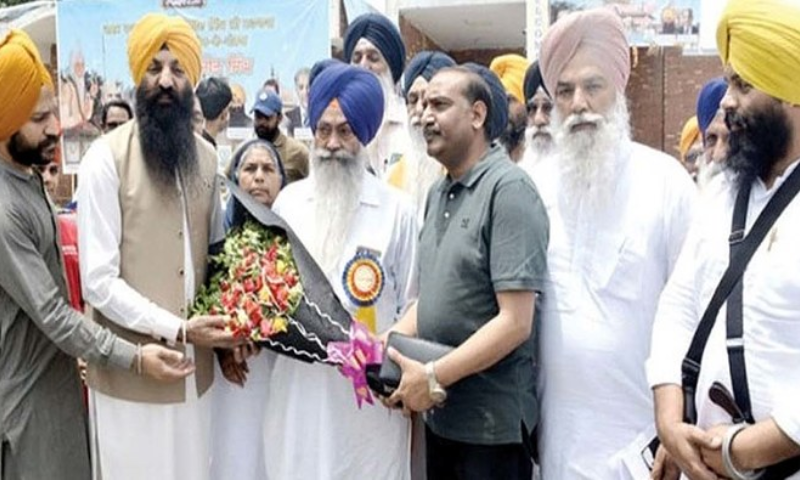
x=618, y=214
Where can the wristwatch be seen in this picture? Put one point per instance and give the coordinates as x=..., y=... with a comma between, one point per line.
x=437, y=393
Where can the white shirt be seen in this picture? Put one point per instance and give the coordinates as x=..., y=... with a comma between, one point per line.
x=771, y=310
x=314, y=429
x=125, y=432
x=605, y=275
x=100, y=224
x=392, y=140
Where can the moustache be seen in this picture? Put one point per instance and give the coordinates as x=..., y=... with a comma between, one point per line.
x=50, y=141
x=540, y=131
x=735, y=121
x=163, y=94
x=582, y=118
x=326, y=155
x=430, y=131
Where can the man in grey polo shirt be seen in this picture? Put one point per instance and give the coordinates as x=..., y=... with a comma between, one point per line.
x=482, y=261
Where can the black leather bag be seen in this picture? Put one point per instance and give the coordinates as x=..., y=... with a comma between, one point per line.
x=385, y=380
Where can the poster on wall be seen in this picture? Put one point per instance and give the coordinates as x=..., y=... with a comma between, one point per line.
x=251, y=43
x=648, y=22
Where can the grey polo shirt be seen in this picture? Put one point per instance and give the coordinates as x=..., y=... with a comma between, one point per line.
x=484, y=233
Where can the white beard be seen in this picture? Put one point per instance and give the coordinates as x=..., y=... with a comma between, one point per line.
x=422, y=170
x=537, y=147
x=706, y=172
x=589, y=160
x=337, y=188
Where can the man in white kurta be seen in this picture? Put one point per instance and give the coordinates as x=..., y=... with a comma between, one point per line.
x=347, y=219
x=618, y=215
x=761, y=108
x=149, y=210
x=373, y=42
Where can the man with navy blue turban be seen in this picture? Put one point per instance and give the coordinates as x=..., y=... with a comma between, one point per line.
x=363, y=234
x=416, y=171
x=713, y=129
x=373, y=42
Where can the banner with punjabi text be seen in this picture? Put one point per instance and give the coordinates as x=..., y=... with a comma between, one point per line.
x=245, y=41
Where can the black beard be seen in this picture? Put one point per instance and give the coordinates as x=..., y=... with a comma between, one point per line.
x=757, y=142
x=166, y=135
x=30, y=156
x=266, y=134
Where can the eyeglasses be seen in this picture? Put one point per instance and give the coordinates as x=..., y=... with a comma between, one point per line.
x=113, y=125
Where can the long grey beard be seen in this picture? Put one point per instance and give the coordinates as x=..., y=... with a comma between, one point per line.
x=537, y=147
x=589, y=160
x=422, y=170
x=338, y=180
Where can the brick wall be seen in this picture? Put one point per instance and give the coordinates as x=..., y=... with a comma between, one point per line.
x=414, y=39
x=662, y=93
x=483, y=56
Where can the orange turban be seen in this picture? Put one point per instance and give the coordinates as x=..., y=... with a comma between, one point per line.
x=689, y=135
x=154, y=31
x=22, y=76
x=600, y=31
x=511, y=71
x=760, y=42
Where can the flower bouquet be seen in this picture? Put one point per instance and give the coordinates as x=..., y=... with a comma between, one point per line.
x=256, y=283
x=276, y=295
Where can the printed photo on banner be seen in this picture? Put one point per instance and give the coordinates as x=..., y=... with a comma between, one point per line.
x=251, y=43
x=647, y=22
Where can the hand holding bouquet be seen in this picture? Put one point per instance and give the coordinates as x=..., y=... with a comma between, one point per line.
x=256, y=283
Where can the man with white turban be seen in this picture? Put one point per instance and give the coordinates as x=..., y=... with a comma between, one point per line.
x=373, y=42
x=149, y=211
x=364, y=236
x=618, y=214
x=757, y=363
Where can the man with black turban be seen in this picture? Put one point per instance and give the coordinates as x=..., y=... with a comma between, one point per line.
x=539, y=105
x=482, y=260
x=753, y=350
x=364, y=236
x=373, y=42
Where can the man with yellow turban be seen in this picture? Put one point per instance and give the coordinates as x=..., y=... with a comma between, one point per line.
x=42, y=416
x=690, y=146
x=749, y=426
x=149, y=210
x=363, y=234
x=510, y=69
x=618, y=214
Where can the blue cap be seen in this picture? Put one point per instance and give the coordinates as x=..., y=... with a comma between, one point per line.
x=268, y=103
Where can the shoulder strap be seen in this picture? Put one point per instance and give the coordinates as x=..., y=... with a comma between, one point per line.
x=744, y=250
x=734, y=322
